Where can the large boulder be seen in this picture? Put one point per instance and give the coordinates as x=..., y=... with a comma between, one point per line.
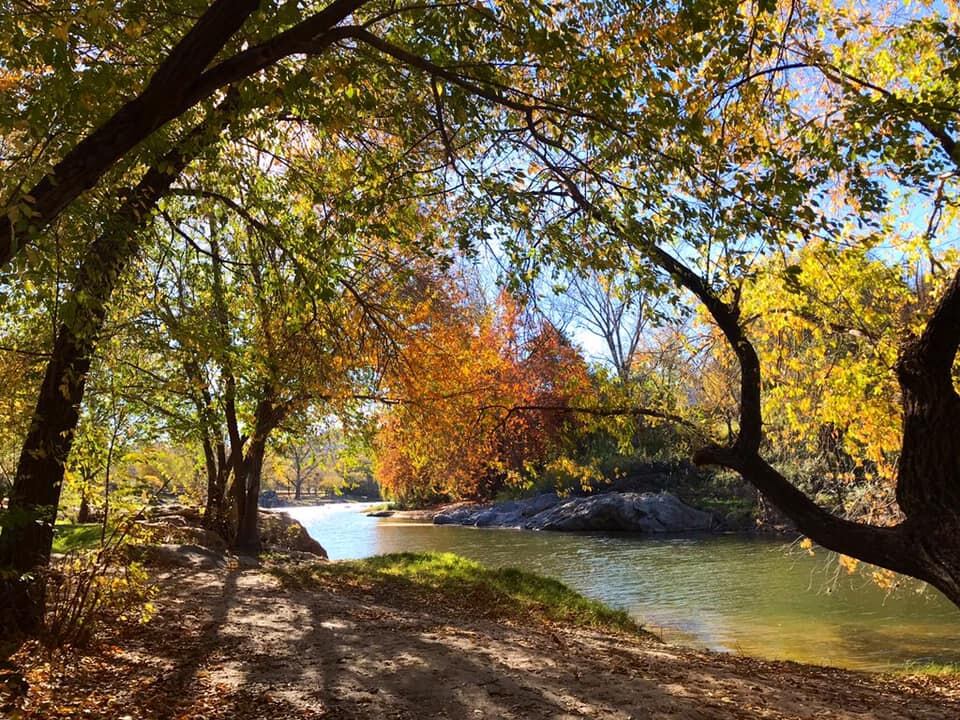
x=188, y=515
x=513, y=513
x=279, y=530
x=167, y=531
x=627, y=512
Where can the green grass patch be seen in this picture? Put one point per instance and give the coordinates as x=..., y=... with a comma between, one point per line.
x=381, y=507
x=75, y=536
x=936, y=669
x=451, y=582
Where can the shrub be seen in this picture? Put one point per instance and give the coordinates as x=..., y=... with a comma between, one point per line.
x=88, y=589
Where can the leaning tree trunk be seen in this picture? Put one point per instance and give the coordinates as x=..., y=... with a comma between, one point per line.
x=928, y=474
x=927, y=544
x=26, y=542
x=171, y=91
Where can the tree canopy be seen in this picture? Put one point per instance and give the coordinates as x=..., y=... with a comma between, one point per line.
x=224, y=219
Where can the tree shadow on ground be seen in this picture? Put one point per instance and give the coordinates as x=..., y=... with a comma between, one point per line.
x=266, y=651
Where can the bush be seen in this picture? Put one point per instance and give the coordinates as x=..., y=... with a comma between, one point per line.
x=89, y=589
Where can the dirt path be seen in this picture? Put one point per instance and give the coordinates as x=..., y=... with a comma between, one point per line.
x=235, y=644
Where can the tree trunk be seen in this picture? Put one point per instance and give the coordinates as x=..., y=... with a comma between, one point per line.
x=298, y=477
x=84, y=514
x=27, y=541
x=184, y=79
x=166, y=96
x=247, y=539
x=268, y=415
x=927, y=544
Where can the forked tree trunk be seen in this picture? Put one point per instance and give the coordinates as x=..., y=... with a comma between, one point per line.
x=247, y=539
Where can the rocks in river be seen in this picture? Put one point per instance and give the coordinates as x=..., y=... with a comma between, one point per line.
x=270, y=499
x=629, y=512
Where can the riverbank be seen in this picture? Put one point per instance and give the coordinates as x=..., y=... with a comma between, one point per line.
x=345, y=640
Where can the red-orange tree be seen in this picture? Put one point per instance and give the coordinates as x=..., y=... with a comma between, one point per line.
x=481, y=399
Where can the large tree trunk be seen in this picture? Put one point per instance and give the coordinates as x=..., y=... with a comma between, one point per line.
x=247, y=539
x=166, y=96
x=214, y=451
x=27, y=541
x=218, y=469
x=268, y=415
x=927, y=544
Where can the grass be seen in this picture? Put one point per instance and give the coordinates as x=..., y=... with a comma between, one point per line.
x=935, y=669
x=431, y=579
x=75, y=536
x=381, y=507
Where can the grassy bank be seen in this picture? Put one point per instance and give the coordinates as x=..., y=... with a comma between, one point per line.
x=444, y=580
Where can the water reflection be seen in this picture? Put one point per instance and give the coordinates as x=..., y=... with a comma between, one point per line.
x=723, y=592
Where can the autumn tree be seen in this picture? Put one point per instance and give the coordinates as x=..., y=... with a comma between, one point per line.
x=479, y=398
x=793, y=123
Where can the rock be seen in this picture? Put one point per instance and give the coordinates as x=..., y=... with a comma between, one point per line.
x=190, y=515
x=279, y=530
x=188, y=556
x=270, y=499
x=380, y=513
x=629, y=512
x=509, y=514
x=166, y=533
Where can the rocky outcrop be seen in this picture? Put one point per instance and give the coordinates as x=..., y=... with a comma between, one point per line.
x=172, y=555
x=624, y=512
x=280, y=531
x=173, y=530
x=176, y=525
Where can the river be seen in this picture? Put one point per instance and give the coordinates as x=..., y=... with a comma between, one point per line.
x=755, y=596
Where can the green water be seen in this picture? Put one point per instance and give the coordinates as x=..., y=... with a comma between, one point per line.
x=733, y=593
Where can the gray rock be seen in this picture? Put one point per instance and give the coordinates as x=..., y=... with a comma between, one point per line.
x=630, y=512
x=168, y=555
x=460, y=516
x=627, y=512
x=279, y=530
x=167, y=532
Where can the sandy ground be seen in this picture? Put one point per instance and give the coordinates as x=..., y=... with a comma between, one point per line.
x=235, y=644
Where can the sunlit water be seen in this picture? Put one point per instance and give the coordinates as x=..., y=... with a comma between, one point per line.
x=729, y=592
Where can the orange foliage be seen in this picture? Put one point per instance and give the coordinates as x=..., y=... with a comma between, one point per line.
x=481, y=399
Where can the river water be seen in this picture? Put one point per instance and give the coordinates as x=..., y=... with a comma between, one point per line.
x=756, y=596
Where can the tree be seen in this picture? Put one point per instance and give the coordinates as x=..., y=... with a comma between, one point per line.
x=756, y=173
x=478, y=402
x=610, y=309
